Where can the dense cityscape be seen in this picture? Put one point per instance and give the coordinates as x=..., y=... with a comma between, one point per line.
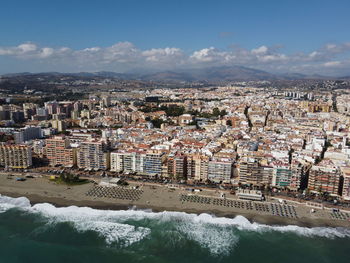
x=167, y=131
x=287, y=141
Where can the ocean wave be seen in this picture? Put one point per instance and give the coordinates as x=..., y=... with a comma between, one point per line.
x=88, y=219
x=217, y=234
x=7, y=203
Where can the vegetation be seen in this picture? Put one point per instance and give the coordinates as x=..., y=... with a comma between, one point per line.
x=70, y=179
x=334, y=104
x=157, y=122
x=173, y=110
x=215, y=113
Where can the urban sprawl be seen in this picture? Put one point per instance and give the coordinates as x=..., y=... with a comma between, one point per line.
x=281, y=141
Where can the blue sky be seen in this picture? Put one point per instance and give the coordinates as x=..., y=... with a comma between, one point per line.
x=125, y=35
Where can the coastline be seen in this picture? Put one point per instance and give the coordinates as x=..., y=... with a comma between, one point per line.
x=157, y=199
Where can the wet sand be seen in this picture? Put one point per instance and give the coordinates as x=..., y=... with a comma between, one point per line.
x=155, y=197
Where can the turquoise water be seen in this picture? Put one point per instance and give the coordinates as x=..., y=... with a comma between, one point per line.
x=44, y=233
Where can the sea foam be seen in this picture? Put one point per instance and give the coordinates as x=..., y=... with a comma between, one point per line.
x=217, y=234
x=9, y=202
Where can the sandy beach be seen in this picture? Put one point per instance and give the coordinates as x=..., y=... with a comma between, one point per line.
x=157, y=198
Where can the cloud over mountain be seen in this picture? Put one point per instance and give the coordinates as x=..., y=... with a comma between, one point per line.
x=332, y=59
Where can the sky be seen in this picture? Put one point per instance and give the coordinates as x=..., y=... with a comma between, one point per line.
x=279, y=36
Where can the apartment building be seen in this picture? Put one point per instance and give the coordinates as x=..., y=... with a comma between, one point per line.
x=220, y=170
x=92, y=155
x=128, y=161
x=324, y=178
x=345, y=171
x=177, y=165
x=252, y=172
x=299, y=178
x=15, y=156
x=59, y=152
x=282, y=176
x=28, y=133
x=197, y=167
x=154, y=163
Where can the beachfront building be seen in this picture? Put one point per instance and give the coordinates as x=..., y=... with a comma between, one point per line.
x=324, y=177
x=92, y=155
x=197, y=167
x=177, y=165
x=346, y=183
x=252, y=172
x=117, y=161
x=154, y=163
x=128, y=161
x=15, y=156
x=300, y=169
x=220, y=170
x=282, y=175
x=59, y=152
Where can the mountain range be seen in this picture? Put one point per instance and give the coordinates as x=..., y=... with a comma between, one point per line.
x=212, y=74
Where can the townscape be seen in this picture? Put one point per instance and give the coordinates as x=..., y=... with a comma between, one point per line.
x=291, y=143
x=174, y=131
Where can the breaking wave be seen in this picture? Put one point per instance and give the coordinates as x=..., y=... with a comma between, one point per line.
x=9, y=202
x=125, y=227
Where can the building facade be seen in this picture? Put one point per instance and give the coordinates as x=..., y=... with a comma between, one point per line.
x=15, y=156
x=59, y=152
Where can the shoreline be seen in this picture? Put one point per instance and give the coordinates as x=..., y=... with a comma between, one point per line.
x=155, y=198
x=101, y=205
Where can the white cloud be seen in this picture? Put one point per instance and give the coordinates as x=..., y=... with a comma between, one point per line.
x=124, y=56
x=314, y=54
x=46, y=52
x=27, y=47
x=20, y=50
x=260, y=50
x=332, y=64
x=206, y=55
x=162, y=54
x=91, y=49
x=273, y=58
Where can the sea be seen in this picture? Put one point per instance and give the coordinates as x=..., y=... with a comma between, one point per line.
x=45, y=233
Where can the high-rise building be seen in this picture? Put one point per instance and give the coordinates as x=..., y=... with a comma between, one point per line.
x=15, y=156
x=128, y=161
x=59, y=152
x=282, y=176
x=197, y=167
x=106, y=101
x=220, y=170
x=154, y=162
x=28, y=133
x=58, y=125
x=252, y=172
x=346, y=183
x=177, y=166
x=29, y=110
x=324, y=178
x=51, y=107
x=299, y=169
x=92, y=155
